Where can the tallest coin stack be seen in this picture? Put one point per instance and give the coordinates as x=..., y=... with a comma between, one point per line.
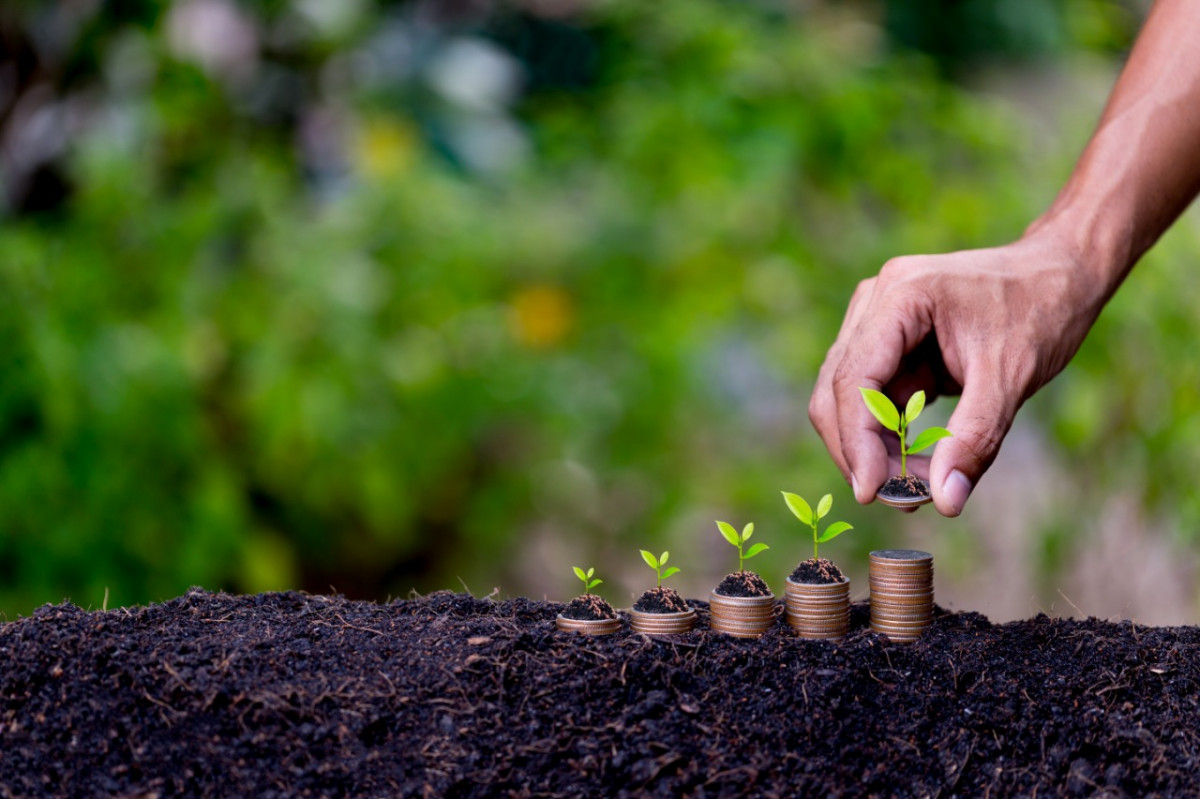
x=901, y=593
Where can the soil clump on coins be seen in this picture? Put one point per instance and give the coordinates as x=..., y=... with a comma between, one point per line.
x=817, y=570
x=589, y=608
x=743, y=583
x=906, y=487
x=661, y=600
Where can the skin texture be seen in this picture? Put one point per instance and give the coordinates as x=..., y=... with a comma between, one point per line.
x=995, y=325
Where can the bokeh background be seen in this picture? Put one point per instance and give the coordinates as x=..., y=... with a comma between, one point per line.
x=380, y=297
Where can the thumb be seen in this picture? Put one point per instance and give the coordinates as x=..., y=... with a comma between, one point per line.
x=983, y=417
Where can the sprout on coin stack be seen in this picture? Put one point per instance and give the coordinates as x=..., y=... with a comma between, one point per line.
x=661, y=610
x=818, y=594
x=742, y=605
x=588, y=613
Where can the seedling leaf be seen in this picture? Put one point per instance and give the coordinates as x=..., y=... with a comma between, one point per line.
x=651, y=561
x=928, y=437
x=593, y=583
x=824, y=505
x=579, y=573
x=728, y=533
x=754, y=550
x=833, y=531
x=662, y=559
x=668, y=572
x=747, y=531
x=881, y=408
x=916, y=404
x=799, y=507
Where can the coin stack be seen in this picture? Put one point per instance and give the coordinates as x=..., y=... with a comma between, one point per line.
x=662, y=623
x=741, y=616
x=901, y=593
x=819, y=610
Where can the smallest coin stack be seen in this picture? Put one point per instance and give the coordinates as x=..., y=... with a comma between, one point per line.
x=901, y=593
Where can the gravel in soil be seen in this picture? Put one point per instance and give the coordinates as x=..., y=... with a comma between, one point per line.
x=817, y=570
x=294, y=695
x=661, y=600
x=589, y=607
x=743, y=583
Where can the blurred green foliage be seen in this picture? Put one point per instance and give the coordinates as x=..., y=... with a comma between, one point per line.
x=377, y=297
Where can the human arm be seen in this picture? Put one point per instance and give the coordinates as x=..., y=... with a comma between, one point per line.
x=997, y=324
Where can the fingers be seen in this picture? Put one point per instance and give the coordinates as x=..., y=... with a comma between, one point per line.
x=983, y=417
x=891, y=328
x=822, y=407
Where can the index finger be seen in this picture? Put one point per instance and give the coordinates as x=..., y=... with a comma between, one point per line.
x=892, y=326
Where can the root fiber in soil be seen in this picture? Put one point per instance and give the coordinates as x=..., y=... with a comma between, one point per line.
x=447, y=695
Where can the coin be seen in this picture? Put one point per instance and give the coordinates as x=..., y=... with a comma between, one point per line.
x=903, y=555
x=896, y=499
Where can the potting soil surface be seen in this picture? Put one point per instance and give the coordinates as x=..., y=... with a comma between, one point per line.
x=448, y=695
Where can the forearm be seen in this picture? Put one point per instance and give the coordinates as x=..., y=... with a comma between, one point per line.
x=1141, y=168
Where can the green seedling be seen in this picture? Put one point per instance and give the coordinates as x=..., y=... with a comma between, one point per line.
x=804, y=512
x=890, y=417
x=731, y=535
x=657, y=564
x=588, y=582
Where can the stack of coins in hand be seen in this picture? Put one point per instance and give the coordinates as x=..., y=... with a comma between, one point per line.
x=901, y=593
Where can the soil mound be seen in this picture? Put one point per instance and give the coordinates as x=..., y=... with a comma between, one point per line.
x=447, y=695
x=817, y=570
x=743, y=583
x=589, y=608
x=661, y=600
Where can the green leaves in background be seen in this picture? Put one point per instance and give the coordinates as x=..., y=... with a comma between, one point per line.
x=308, y=322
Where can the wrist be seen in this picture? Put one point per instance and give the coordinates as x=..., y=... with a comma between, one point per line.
x=1099, y=246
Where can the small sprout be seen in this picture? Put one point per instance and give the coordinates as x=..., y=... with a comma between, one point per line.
x=657, y=564
x=588, y=582
x=731, y=535
x=804, y=513
x=890, y=417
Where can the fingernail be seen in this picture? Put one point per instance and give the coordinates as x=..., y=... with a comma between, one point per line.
x=854, y=486
x=956, y=489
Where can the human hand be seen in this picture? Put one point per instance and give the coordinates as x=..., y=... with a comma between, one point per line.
x=993, y=325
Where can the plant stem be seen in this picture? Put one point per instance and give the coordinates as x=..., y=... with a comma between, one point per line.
x=814, y=540
x=903, y=446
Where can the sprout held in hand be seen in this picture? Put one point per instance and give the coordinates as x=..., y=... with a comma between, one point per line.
x=742, y=582
x=659, y=599
x=904, y=491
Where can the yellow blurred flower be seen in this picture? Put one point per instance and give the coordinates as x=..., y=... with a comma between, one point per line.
x=386, y=147
x=541, y=315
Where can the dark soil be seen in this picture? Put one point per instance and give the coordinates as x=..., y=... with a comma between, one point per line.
x=661, y=600
x=743, y=583
x=293, y=695
x=589, y=607
x=907, y=487
x=817, y=570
